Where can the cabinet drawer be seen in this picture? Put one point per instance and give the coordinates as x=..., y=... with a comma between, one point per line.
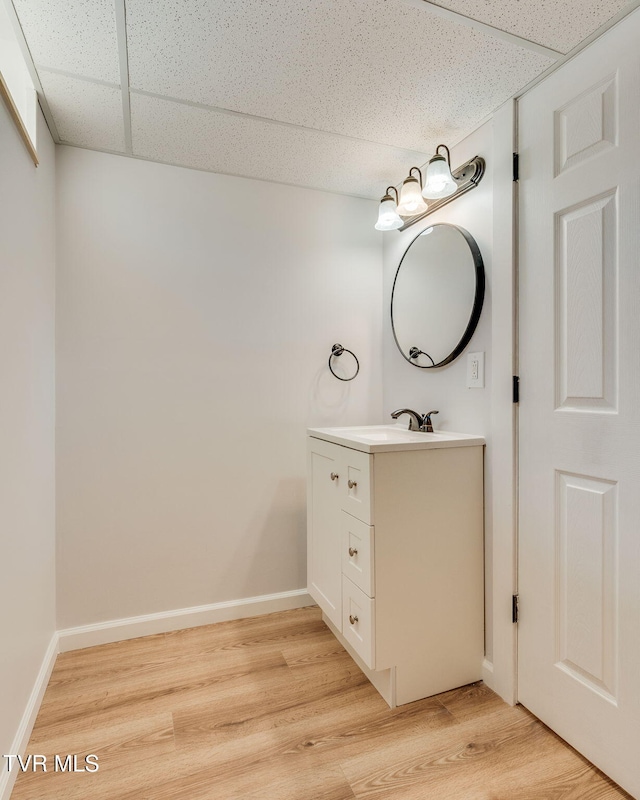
x=357, y=553
x=356, y=495
x=358, y=621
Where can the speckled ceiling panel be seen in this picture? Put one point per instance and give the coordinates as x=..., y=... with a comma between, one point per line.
x=86, y=113
x=228, y=143
x=379, y=70
x=559, y=24
x=76, y=36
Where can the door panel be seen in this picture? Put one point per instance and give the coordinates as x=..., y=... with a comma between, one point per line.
x=585, y=295
x=579, y=436
x=588, y=596
x=587, y=125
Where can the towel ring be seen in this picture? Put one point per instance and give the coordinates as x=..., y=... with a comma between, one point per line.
x=415, y=352
x=337, y=350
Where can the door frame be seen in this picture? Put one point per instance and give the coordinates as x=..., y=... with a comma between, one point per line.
x=500, y=665
x=500, y=669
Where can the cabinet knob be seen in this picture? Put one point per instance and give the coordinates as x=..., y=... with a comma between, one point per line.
x=334, y=476
x=352, y=619
x=352, y=484
x=353, y=552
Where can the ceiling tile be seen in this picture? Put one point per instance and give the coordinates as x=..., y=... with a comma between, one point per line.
x=76, y=36
x=558, y=24
x=86, y=113
x=378, y=70
x=228, y=143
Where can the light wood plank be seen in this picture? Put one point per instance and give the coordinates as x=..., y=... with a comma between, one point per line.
x=274, y=707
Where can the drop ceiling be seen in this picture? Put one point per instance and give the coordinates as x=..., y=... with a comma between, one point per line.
x=339, y=95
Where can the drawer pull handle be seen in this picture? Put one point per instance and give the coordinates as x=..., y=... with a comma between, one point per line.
x=352, y=619
x=352, y=484
x=334, y=476
x=353, y=552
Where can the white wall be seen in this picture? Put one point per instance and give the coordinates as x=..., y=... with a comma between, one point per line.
x=196, y=316
x=27, y=416
x=461, y=409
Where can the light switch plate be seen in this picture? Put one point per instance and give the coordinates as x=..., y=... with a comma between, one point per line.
x=475, y=371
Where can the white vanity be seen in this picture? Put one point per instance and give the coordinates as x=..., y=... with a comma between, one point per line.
x=395, y=553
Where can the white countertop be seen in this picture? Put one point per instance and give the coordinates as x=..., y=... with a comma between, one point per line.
x=387, y=438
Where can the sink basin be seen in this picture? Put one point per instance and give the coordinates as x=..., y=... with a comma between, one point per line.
x=384, y=438
x=382, y=433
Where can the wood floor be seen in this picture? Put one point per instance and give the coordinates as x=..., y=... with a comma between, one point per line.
x=273, y=708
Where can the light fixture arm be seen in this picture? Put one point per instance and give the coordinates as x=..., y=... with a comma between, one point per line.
x=448, y=153
x=392, y=188
x=419, y=171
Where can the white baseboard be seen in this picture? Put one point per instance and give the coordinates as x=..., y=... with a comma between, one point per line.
x=21, y=740
x=132, y=627
x=487, y=673
x=121, y=629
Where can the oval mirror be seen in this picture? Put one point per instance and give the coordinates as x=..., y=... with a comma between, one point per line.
x=437, y=296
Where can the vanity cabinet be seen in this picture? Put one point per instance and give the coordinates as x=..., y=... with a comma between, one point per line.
x=338, y=480
x=395, y=556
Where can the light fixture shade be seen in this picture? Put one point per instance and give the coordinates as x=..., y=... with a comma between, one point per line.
x=411, y=202
x=439, y=182
x=388, y=219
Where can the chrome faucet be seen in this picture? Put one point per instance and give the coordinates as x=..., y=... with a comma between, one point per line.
x=417, y=422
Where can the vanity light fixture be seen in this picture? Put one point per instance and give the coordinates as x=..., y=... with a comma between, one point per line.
x=411, y=202
x=442, y=185
x=388, y=218
x=439, y=182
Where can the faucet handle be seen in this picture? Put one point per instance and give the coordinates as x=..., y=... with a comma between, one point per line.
x=426, y=426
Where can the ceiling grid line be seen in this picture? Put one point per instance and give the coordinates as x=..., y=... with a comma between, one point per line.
x=492, y=30
x=325, y=95
x=68, y=74
x=165, y=163
x=631, y=6
x=270, y=120
x=123, y=60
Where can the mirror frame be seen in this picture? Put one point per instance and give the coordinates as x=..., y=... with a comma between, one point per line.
x=478, y=299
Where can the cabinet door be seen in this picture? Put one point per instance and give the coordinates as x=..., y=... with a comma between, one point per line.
x=324, y=572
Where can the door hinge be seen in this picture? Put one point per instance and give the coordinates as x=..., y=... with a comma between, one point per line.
x=515, y=599
x=516, y=388
x=516, y=166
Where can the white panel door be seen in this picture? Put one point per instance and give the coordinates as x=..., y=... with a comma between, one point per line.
x=579, y=519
